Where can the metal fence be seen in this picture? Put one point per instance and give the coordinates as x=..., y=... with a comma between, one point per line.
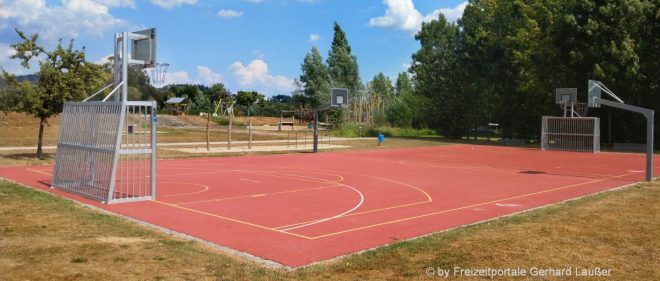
x=107, y=151
x=571, y=133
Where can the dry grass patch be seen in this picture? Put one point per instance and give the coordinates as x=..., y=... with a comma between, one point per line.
x=18, y=129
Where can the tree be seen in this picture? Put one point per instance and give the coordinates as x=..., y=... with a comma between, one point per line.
x=281, y=99
x=64, y=75
x=382, y=85
x=342, y=65
x=439, y=76
x=398, y=114
x=247, y=99
x=405, y=91
x=206, y=101
x=316, y=79
x=403, y=85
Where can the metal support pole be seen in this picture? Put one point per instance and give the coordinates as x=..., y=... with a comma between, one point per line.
x=649, y=146
x=229, y=130
x=649, y=129
x=124, y=67
x=115, y=66
x=316, y=131
x=154, y=123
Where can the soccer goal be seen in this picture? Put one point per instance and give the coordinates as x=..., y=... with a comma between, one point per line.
x=106, y=150
x=571, y=133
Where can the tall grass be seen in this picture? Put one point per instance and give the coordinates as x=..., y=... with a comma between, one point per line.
x=354, y=131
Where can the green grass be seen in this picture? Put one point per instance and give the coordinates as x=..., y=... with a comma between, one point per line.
x=354, y=131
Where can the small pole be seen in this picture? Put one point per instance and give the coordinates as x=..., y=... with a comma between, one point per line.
x=649, y=145
x=250, y=133
x=296, y=133
x=316, y=131
x=229, y=132
x=288, y=138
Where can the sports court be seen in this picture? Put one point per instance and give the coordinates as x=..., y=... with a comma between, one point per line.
x=298, y=209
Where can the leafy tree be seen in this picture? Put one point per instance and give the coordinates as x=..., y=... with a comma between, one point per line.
x=248, y=99
x=280, y=99
x=64, y=75
x=399, y=114
x=205, y=101
x=403, y=85
x=342, y=65
x=437, y=70
x=382, y=85
x=315, y=79
x=405, y=91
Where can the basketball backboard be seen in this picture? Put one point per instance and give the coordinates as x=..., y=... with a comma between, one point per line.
x=339, y=97
x=593, y=93
x=565, y=95
x=144, y=49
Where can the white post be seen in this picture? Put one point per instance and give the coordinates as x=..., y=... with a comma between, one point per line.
x=250, y=133
x=124, y=67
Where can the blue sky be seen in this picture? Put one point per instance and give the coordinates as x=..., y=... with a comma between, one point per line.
x=245, y=44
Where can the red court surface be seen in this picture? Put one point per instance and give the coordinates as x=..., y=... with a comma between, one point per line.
x=298, y=209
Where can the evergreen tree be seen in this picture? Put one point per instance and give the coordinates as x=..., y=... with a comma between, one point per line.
x=315, y=79
x=403, y=85
x=343, y=67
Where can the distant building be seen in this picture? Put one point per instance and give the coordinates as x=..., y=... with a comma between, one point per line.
x=177, y=106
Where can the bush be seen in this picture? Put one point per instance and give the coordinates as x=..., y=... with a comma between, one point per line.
x=224, y=121
x=353, y=130
x=399, y=115
x=380, y=119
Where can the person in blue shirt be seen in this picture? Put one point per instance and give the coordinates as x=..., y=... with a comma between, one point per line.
x=381, y=138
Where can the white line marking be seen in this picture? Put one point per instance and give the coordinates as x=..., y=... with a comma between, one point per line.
x=250, y=180
x=333, y=217
x=507, y=205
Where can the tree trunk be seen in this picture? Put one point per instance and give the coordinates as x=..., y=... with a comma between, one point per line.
x=208, y=129
x=40, y=153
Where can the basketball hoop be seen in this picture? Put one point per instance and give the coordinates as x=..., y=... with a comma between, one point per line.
x=158, y=73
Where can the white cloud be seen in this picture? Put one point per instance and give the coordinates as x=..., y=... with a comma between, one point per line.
x=179, y=77
x=207, y=76
x=167, y=4
x=258, y=53
x=403, y=15
x=104, y=59
x=255, y=76
x=314, y=37
x=229, y=13
x=68, y=19
x=118, y=3
x=451, y=14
